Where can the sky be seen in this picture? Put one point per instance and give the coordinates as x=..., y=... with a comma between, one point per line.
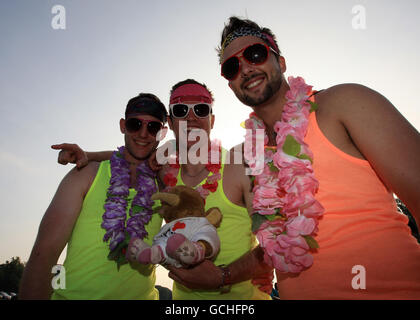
x=72, y=84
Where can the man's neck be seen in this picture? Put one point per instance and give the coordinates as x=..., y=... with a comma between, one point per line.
x=133, y=164
x=193, y=170
x=194, y=173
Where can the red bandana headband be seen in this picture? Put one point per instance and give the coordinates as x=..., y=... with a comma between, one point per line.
x=190, y=92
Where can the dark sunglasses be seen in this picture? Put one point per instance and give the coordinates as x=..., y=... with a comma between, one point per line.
x=180, y=110
x=255, y=54
x=134, y=124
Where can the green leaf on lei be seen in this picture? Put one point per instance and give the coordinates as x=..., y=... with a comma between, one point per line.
x=272, y=167
x=257, y=221
x=136, y=209
x=121, y=260
x=118, y=254
x=314, y=106
x=305, y=157
x=252, y=181
x=277, y=211
x=311, y=242
x=291, y=146
x=270, y=217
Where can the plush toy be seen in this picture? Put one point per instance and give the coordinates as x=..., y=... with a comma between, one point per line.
x=189, y=235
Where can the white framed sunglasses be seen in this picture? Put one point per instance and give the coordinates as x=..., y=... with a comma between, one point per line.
x=180, y=110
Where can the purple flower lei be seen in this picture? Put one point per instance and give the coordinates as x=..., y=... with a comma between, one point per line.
x=116, y=203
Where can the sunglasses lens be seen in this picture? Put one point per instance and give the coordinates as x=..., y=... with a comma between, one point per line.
x=133, y=125
x=230, y=68
x=256, y=54
x=202, y=110
x=153, y=127
x=179, y=110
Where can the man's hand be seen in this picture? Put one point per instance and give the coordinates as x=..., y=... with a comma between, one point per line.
x=264, y=282
x=153, y=164
x=71, y=153
x=204, y=276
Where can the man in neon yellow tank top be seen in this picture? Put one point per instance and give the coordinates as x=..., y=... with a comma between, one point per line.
x=229, y=276
x=76, y=217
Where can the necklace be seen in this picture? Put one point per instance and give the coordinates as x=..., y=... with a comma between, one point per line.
x=118, y=230
x=286, y=213
x=210, y=185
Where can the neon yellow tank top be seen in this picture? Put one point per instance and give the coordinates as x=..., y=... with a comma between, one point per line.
x=236, y=239
x=88, y=272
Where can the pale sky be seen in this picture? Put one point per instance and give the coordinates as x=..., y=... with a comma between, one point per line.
x=72, y=84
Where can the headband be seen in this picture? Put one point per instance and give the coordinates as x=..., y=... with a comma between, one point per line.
x=248, y=31
x=190, y=92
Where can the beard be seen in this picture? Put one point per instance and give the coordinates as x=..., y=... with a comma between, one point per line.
x=271, y=88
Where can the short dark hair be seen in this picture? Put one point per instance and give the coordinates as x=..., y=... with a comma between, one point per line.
x=146, y=103
x=237, y=23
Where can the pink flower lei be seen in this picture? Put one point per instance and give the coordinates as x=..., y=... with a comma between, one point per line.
x=118, y=231
x=211, y=183
x=286, y=212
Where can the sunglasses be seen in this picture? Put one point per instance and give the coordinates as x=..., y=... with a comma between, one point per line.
x=133, y=125
x=180, y=110
x=254, y=54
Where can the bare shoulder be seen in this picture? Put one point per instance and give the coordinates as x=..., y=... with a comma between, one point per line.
x=351, y=98
x=236, y=183
x=86, y=172
x=62, y=213
x=378, y=130
x=357, y=106
x=82, y=178
x=347, y=89
x=234, y=161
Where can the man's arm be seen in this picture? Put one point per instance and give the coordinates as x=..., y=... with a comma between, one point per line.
x=72, y=153
x=54, y=232
x=208, y=276
x=384, y=137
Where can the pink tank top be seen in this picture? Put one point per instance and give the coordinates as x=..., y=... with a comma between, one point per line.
x=363, y=240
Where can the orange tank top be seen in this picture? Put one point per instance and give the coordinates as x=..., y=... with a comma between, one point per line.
x=366, y=250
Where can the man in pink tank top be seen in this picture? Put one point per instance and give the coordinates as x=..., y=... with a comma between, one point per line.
x=365, y=249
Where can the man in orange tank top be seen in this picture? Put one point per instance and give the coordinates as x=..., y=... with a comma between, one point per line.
x=365, y=249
